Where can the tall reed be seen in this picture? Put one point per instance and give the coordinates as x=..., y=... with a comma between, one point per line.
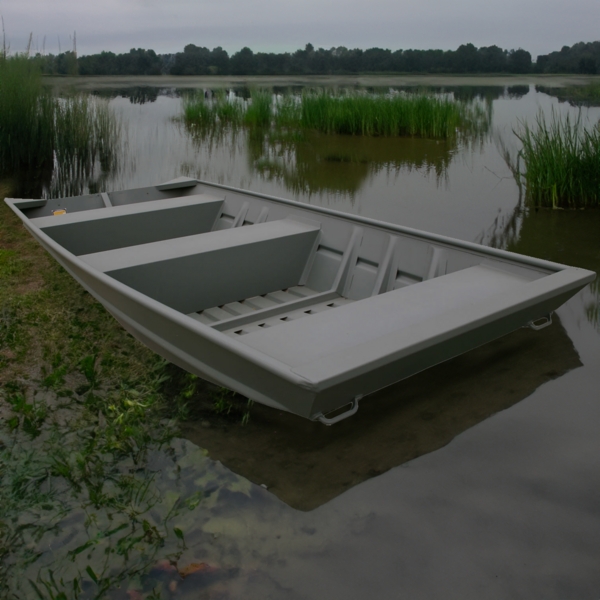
x=85, y=132
x=414, y=115
x=26, y=115
x=258, y=112
x=209, y=112
x=39, y=131
x=562, y=161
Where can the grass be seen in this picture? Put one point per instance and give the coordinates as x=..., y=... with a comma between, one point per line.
x=415, y=115
x=26, y=116
x=86, y=131
x=78, y=396
x=220, y=110
x=83, y=410
x=64, y=137
x=412, y=115
x=562, y=162
x=95, y=491
x=259, y=110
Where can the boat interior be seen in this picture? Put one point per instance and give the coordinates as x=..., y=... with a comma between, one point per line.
x=266, y=272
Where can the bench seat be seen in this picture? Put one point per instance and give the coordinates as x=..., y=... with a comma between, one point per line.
x=314, y=337
x=102, y=229
x=202, y=271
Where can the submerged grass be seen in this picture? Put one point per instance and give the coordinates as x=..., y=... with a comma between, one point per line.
x=81, y=409
x=413, y=115
x=96, y=494
x=562, y=162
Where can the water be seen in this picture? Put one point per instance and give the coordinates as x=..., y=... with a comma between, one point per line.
x=507, y=509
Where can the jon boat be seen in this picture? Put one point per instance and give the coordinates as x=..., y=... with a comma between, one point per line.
x=301, y=308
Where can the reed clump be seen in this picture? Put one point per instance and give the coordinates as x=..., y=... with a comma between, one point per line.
x=38, y=130
x=562, y=161
x=86, y=132
x=26, y=115
x=220, y=110
x=259, y=110
x=412, y=115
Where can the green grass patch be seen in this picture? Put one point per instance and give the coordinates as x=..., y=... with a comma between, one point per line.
x=221, y=110
x=561, y=157
x=79, y=399
x=96, y=493
x=259, y=109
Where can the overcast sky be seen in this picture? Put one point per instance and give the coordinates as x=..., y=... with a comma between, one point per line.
x=539, y=26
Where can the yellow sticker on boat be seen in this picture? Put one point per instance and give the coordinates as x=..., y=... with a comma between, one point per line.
x=59, y=211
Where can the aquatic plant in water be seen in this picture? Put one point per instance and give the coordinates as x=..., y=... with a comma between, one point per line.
x=220, y=110
x=410, y=115
x=86, y=134
x=97, y=498
x=26, y=116
x=413, y=115
x=259, y=113
x=577, y=95
x=562, y=161
x=41, y=134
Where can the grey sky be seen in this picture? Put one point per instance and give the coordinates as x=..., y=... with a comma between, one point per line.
x=539, y=26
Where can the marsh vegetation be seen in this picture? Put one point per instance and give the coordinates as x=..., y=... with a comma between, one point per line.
x=49, y=137
x=96, y=493
x=397, y=114
x=561, y=159
x=577, y=95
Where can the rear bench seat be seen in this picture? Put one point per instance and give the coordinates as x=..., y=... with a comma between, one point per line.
x=313, y=338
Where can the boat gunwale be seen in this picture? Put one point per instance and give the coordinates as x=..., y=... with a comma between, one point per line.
x=531, y=261
x=522, y=259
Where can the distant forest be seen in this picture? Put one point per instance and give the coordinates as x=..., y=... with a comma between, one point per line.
x=197, y=60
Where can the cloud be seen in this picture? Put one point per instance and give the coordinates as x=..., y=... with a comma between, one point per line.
x=539, y=26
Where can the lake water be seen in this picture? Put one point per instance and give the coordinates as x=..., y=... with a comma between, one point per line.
x=510, y=507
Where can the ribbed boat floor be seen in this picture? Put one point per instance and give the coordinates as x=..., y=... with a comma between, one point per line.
x=280, y=302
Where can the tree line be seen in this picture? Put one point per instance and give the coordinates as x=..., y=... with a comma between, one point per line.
x=197, y=60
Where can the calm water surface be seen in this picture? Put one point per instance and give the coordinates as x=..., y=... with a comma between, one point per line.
x=510, y=508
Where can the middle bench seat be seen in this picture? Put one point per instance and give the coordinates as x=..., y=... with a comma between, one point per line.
x=196, y=272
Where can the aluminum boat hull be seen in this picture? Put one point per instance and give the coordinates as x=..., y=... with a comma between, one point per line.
x=301, y=308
